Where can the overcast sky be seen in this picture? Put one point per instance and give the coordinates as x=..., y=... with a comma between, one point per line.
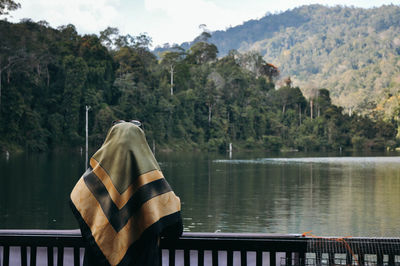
x=172, y=21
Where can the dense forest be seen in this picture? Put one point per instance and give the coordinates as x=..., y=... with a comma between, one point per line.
x=353, y=52
x=185, y=98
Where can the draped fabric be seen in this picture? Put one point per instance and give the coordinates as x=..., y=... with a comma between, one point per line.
x=123, y=202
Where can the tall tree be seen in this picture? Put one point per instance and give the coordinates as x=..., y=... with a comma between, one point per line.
x=202, y=52
x=171, y=59
x=75, y=71
x=8, y=60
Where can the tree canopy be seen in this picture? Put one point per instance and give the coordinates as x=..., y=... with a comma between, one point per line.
x=48, y=76
x=352, y=52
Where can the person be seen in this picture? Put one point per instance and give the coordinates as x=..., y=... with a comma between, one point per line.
x=123, y=203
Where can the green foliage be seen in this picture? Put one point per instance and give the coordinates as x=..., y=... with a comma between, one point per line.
x=8, y=5
x=202, y=52
x=75, y=71
x=353, y=52
x=272, y=143
x=49, y=76
x=359, y=142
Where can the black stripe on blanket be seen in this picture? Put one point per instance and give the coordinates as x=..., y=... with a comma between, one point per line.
x=119, y=217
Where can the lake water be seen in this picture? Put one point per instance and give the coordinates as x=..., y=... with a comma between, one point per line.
x=330, y=194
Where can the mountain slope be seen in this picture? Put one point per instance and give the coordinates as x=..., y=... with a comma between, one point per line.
x=353, y=52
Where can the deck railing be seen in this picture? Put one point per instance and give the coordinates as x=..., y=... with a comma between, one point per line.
x=49, y=247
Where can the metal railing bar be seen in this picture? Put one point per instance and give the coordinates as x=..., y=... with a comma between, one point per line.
x=50, y=256
x=259, y=258
x=361, y=259
x=6, y=255
x=24, y=258
x=318, y=258
x=200, y=257
x=76, y=256
x=391, y=259
x=229, y=255
x=331, y=258
x=288, y=258
x=243, y=257
x=171, y=257
x=60, y=256
x=186, y=256
x=33, y=256
x=214, y=255
x=301, y=258
x=349, y=258
x=229, y=242
x=379, y=259
x=272, y=258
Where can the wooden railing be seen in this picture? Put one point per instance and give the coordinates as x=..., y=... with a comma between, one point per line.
x=49, y=247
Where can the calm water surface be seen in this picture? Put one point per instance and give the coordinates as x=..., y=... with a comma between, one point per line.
x=253, y=192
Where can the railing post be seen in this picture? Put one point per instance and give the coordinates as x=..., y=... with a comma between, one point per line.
x=259, y=258
x=391, y=259
x=302, y=258
x=186, y=254
x=289, y=258
x=214, y=257
x=6, y=255
x=200, y=257
x=171, y=253
x=318, y=257
x=77, y=256
x=33, y=256
x=272, y=258
x=60, y=256
x=229, y=259
x=361, y=260
x=379, y=259
x=243, y=257
x=331, y=258
x=349, y=258
x=24, y=258
x=50, y=256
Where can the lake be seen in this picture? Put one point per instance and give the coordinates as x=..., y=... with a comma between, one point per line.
x=330, y=194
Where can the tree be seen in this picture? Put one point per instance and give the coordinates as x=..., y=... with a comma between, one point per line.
x=108, y=36
x=232, y=98
x=202, y=52
x=8, y=5
x=288, y=82
x=8, y=60
x=215, y=83
x=270, y=71
x=291, y=97
x=171, y=59
x=323, y=101
x=75, y=71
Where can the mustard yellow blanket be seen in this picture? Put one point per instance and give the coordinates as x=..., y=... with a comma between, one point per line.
x=123, y=198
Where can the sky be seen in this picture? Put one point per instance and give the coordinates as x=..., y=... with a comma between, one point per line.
x=165, y=21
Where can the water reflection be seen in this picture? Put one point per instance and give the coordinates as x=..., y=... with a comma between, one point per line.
x=35, y=189
x=356, y=196
x=276, y=193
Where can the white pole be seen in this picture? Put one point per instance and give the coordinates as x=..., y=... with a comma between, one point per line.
x=87, y=136
x=230, y=150
x=172, y=80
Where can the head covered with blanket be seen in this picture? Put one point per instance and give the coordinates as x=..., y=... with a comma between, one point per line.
x=123, y=202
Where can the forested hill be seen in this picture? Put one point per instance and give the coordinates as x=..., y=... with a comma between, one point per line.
x=48, y=76
x=353, y=52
